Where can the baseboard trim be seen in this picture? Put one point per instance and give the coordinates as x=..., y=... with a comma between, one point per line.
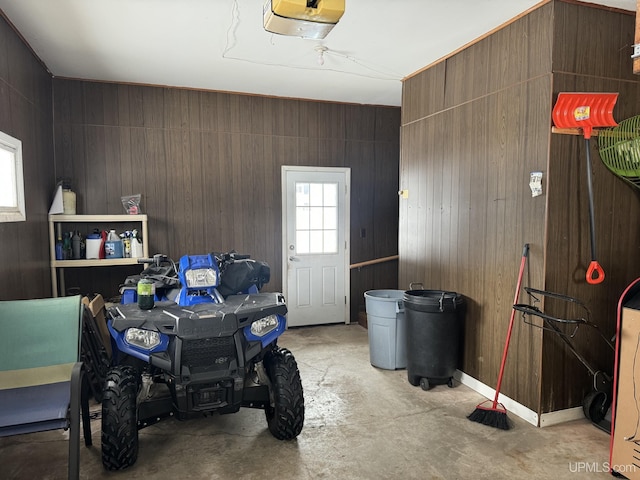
x=561, y=416
x=511, y=405
x=544, y=420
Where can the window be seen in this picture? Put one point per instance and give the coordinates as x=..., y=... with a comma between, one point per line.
x=11, y=180
x=316, y=217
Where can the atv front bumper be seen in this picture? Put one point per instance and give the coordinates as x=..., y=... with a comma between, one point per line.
x=207, y=361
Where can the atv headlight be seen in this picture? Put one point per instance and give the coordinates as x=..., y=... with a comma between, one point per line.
x=264, y=325
x=201, y=277
x=139, y=337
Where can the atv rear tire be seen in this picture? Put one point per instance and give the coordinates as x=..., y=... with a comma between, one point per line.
x=119, y=419
x=285, y=416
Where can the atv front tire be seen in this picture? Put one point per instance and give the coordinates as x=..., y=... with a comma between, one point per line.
x=119, y=419
x=285, y=416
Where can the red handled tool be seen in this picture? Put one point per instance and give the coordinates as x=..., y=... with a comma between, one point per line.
x=496, y=415
x=586, y=111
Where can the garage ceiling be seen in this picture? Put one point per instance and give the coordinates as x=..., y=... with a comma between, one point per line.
x=222, y=45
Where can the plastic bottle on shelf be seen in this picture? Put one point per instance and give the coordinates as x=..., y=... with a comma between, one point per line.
x=76, y=246
x=136, y=245
x=126, y=244
x=103, y=238
x=113, y=246
x=66, y=246
x=59, y=248
x=68, y=199
x=94, y=243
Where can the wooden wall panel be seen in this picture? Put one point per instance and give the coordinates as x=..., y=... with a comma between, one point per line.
x=466, y=165
x=25, y=113
x=503, y=59
x=596, y=60
x=492, y=131
x=592, y=41
x=423, y=94
x=520, y=51
x=208, y=166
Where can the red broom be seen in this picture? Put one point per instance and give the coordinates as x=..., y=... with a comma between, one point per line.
x=496, y=415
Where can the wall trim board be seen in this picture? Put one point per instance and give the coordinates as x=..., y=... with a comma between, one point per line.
x=561, y=416
x=525, y=413
x=511, y=405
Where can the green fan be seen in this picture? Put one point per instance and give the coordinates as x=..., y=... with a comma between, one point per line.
x=620, y=149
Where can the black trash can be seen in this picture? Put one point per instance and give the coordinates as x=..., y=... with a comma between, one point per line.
x=434, y=326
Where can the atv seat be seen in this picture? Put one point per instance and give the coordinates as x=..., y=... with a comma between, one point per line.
x=42, y=384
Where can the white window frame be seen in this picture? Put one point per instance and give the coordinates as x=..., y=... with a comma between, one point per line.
x=14, y=213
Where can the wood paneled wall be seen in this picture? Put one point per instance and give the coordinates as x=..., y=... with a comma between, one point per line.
x=25, y=113
x=208, y=166
x=592, y=50
x=473, y=128
x=468, y=145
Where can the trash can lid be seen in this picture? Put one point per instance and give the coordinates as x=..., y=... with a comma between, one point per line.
x=433, y=299
x=385, y=295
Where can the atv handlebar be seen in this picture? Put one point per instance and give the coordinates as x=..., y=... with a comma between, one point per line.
x=157, y=259
x=223, y=259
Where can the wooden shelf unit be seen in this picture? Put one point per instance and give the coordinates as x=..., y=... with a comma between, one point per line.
x=58, y=266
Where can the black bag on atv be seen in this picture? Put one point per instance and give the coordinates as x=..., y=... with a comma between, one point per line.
x=163, y=276
x=241, y=274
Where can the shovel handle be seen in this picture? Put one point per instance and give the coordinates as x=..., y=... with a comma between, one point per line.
x=595, y=268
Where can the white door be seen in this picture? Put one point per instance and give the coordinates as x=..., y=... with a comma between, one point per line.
x=315, y=256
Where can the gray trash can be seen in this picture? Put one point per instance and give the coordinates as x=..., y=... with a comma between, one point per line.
x=387, y=329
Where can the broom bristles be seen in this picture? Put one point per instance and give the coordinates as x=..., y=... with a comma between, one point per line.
x=493, y=417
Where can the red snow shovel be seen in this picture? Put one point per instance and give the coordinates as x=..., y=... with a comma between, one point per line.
x=586, y=111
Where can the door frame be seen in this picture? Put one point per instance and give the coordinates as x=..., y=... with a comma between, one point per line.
x=347, y=228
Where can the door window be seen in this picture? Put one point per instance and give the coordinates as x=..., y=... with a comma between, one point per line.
x=316, y=218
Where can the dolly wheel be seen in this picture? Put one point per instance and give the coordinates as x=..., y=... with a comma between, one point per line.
x=424, y=383
x=595, y=406
x=450, y=382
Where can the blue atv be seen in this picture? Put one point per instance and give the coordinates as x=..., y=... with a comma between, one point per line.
x=208, y=345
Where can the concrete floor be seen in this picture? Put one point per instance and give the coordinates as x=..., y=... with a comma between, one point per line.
x=361, y=423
